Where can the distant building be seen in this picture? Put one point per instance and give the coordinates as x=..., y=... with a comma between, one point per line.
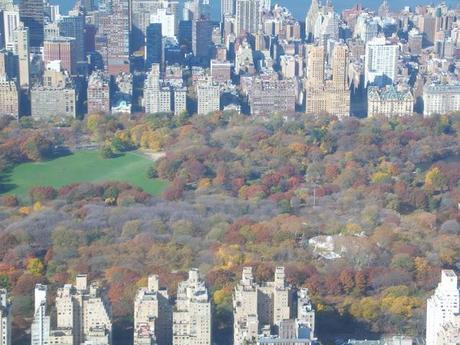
x=123, y=95
x=272, y=313
x=208, y=96
x=154, y=49
x=221, y=71
x=73, y=26
x=23, y=52
x=440, y=99
x=40, y=329
x=98, y=93
x=49, y=102
x=62, y=49
x=415, y=42
x=5, y=318
x=442, y=307
x=32, y=14
x=272, y=96
x=202, y=39
x=152, y=315
x=9, y=98
x=247, y=16
x=192, y=315
x=330, y=96
x=381, y=62
x=389, y=101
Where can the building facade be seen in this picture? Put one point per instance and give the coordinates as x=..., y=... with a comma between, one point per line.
x=267, y=313
x=50, y=102
x=442, y=307
x=98, y=98
x=5, y=318
x=9, y=98
x=192, y=315
x=381, y=62
x=247, y=16
x=208, y=96
x=152, y=314
x=389, y=101
x=272, y=96
x=323, y=95
x=440, y=99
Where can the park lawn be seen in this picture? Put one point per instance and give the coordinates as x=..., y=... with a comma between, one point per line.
x=82, y=166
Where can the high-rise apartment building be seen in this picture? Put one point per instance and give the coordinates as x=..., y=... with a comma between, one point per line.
x=98, y=98
x=192, y=315
x=208, y=96
x=49, y=102
x=381, y=62
x=330, y=96
x=441, y=99
x=23, y=51
x=40, y=330
x=227, y=8
x=152, y=314
x=5, y=318
x=442, y=307
x=267, y=312
x=9, y=99
x=163, y=97
x=247, y=16
x=32, y=14
x=118, y=30
x=310, y=20
x=10, y=23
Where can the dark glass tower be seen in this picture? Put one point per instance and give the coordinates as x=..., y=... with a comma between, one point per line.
x=153, y=45
x=31, y=13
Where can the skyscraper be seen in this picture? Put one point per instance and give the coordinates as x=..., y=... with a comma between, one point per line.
x=310, y=20
x=141, y=12
x=227, y=8
x=202, y=39
x=247, y=16
x=118, y=37
x=32, y=15
x=40, y=330
x=154, y=50
x=381, y=62
x=5, y=318
x=152, y=314
x=23, y=51
x=74, y=26
x=330, y=96
x=62, y=49
x=442, y=306
x=10, y=24
x=192, y=318
x=271, y=308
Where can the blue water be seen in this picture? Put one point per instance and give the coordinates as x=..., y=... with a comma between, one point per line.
x=300, y=7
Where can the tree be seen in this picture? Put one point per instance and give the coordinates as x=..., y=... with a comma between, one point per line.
x=435, y=180
x=107, y=151
x=35, y=267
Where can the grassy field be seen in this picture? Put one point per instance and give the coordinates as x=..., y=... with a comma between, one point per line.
x=83, y=166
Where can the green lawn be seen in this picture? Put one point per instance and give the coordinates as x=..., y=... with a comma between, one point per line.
x=83, y=166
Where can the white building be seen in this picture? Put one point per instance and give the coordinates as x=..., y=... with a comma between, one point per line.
x=247, y=16
x=10, y=23
x=192, y=317
x=152, y=314
x=442, y=307
x=167, y=19
x=208, y=96
x=266, y=314
x=5, y=318
x=381, y=62
x=40, y=330
x=440, y=99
